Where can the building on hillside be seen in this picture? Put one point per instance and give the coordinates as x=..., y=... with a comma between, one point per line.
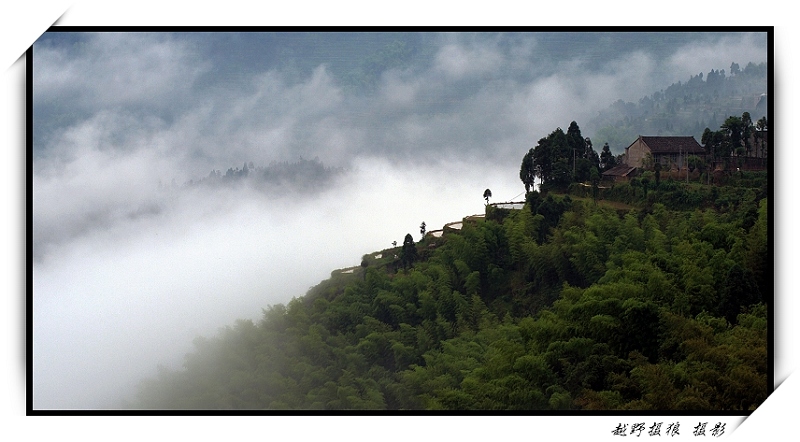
x=621, y=172
x=669, y=151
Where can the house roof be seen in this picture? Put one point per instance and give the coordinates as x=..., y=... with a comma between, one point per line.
x=620, y=170
x=662, y=145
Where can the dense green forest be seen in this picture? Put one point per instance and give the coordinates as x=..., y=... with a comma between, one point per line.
x=639, y=298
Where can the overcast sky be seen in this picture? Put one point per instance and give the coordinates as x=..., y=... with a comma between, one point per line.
x=129, y=269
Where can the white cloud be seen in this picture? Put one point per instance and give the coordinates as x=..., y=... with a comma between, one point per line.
x=144, y=69
x=398, y=90
x=457, y=61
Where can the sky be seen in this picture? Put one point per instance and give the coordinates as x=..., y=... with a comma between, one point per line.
x=129, y=265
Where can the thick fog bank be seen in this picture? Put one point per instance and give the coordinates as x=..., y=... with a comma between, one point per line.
x=112, y=304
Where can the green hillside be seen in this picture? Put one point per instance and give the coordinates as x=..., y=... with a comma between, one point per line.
x=564, y=305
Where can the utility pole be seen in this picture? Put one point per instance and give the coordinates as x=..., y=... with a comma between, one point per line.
x=687, y=166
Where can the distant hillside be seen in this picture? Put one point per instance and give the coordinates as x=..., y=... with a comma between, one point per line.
x=302, y=175
x=685, y=108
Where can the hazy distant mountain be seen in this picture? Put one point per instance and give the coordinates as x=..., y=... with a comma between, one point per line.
x=302, y=175
x=685, y=108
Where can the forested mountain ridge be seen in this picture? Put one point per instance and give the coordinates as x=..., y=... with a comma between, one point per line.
x=685, y=108
x=563, y=305
x=303, y=175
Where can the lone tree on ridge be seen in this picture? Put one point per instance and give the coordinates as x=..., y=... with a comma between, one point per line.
x=409, y=252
